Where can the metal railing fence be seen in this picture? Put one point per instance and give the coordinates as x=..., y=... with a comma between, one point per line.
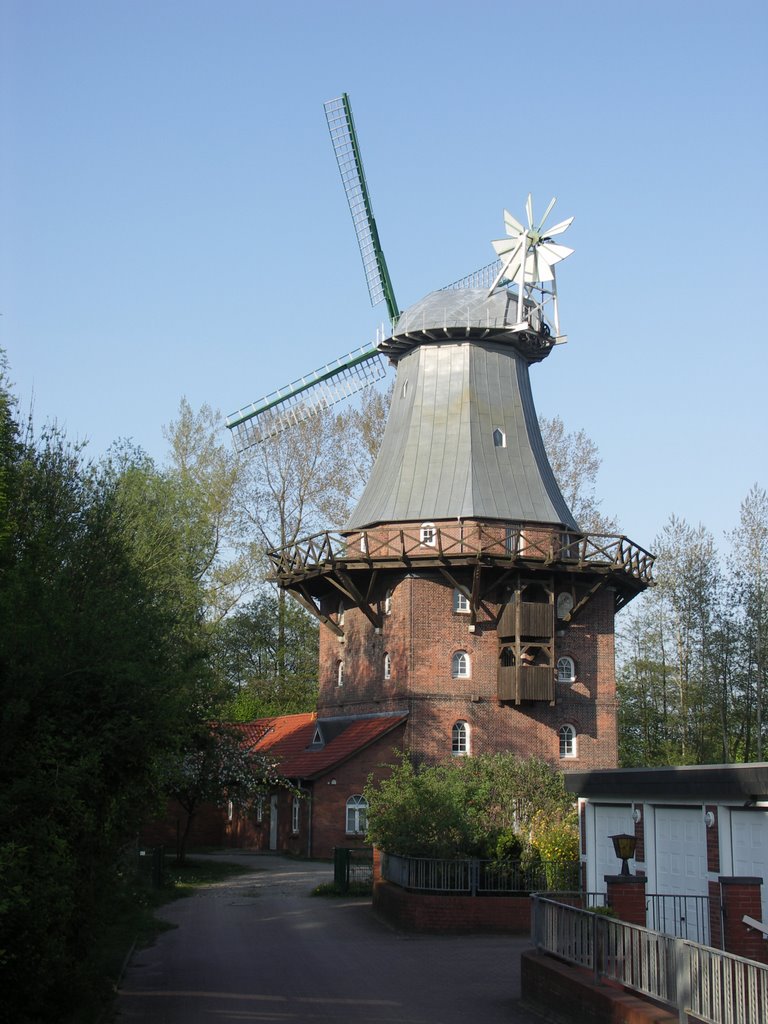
x=475, y=877
x=699, y=982
x=687, y=917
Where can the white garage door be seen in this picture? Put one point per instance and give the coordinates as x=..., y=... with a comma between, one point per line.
x=749, y=835
x=609, y=821
x=681, y=870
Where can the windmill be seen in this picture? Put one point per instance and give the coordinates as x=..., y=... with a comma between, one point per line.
x=526, y=262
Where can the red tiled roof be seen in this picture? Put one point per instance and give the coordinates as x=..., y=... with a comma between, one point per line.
x=289, y=737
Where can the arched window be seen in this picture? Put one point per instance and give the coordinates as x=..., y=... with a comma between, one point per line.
x=567, y=736
x=460, y=602
x=357, y=814
x=428, y=535
x=499, y=438
x=566, y=670
x=460, y=665
x=295, y=815
x=460, y=738
x=339, y=673
x=388, y=602
x=387, y=666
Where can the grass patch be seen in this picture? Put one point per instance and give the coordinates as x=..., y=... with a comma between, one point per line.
x=332, y=889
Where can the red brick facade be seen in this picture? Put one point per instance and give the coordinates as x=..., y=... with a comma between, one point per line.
x=420, y=635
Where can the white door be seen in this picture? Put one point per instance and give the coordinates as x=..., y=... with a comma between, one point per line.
x=749, y=836
x=273, y=822
x=609, y=821
x=681, y=874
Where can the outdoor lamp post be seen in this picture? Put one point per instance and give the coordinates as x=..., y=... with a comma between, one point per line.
x=624, y=848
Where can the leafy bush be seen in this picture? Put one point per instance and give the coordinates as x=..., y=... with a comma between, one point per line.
x=471, y=807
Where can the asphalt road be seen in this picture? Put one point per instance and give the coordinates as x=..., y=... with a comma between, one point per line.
x=258, y=948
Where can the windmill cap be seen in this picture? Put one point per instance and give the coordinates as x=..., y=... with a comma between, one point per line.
x=455, y=313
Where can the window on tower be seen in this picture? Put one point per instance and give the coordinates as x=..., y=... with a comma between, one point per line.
x=388, y=602
x=340, y=616
x=387, y=666
x=460, y=602
x=428, y=535
x=460, y=738
x=567, y=734
x=566, y=670
x=460, y=665
x=339, y=673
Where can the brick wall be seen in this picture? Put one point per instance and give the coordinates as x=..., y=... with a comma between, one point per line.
x=451, y=915
x=422, y=632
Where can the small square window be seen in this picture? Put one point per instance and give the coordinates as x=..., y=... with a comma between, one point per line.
x=428, y=535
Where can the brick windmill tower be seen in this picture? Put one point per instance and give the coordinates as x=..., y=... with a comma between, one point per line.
x=461, y=599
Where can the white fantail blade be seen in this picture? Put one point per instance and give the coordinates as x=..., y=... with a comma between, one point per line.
x=505, y=245
x=512, y=224
x=529, y=210
x=547, y=212
x=558, y=229
x=510, y=265
x=553, y=253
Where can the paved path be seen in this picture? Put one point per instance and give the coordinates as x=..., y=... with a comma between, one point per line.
x=258, y=948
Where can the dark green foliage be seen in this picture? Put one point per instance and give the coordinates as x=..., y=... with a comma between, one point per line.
x=483, y=806
x=102, y=669
x=269, y=670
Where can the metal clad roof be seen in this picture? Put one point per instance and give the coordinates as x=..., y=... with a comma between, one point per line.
x=438, y=459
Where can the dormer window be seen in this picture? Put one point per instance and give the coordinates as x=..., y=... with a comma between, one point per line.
x=428, y=535
x=499, y=438
x=317, y=739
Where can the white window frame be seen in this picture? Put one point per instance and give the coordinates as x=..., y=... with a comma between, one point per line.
x=340, y=614
x=295, y=816
x=461, y=667
x=428, y=535
x=567, y=738
x=460, y=603
x=364, y=543
x=356, y=823
x=387, y=665
x=460, y=739
x=339, y=672
x=566, y=669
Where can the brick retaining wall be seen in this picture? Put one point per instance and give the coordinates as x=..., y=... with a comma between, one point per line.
x=429, y=913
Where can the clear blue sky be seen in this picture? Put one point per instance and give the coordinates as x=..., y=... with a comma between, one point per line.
x=172, y=222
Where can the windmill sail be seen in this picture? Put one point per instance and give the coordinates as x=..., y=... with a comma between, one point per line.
x=306, y=397
x=338, y=113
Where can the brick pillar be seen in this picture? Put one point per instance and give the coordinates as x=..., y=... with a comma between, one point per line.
x=376, y=865
x=741, y=896
x=626, y=894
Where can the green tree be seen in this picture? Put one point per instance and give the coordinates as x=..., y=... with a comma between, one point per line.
x=218, y=767
x=575, y=461
x=263, y=679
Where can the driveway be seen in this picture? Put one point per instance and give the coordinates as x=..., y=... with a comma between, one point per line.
x=258, y=948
